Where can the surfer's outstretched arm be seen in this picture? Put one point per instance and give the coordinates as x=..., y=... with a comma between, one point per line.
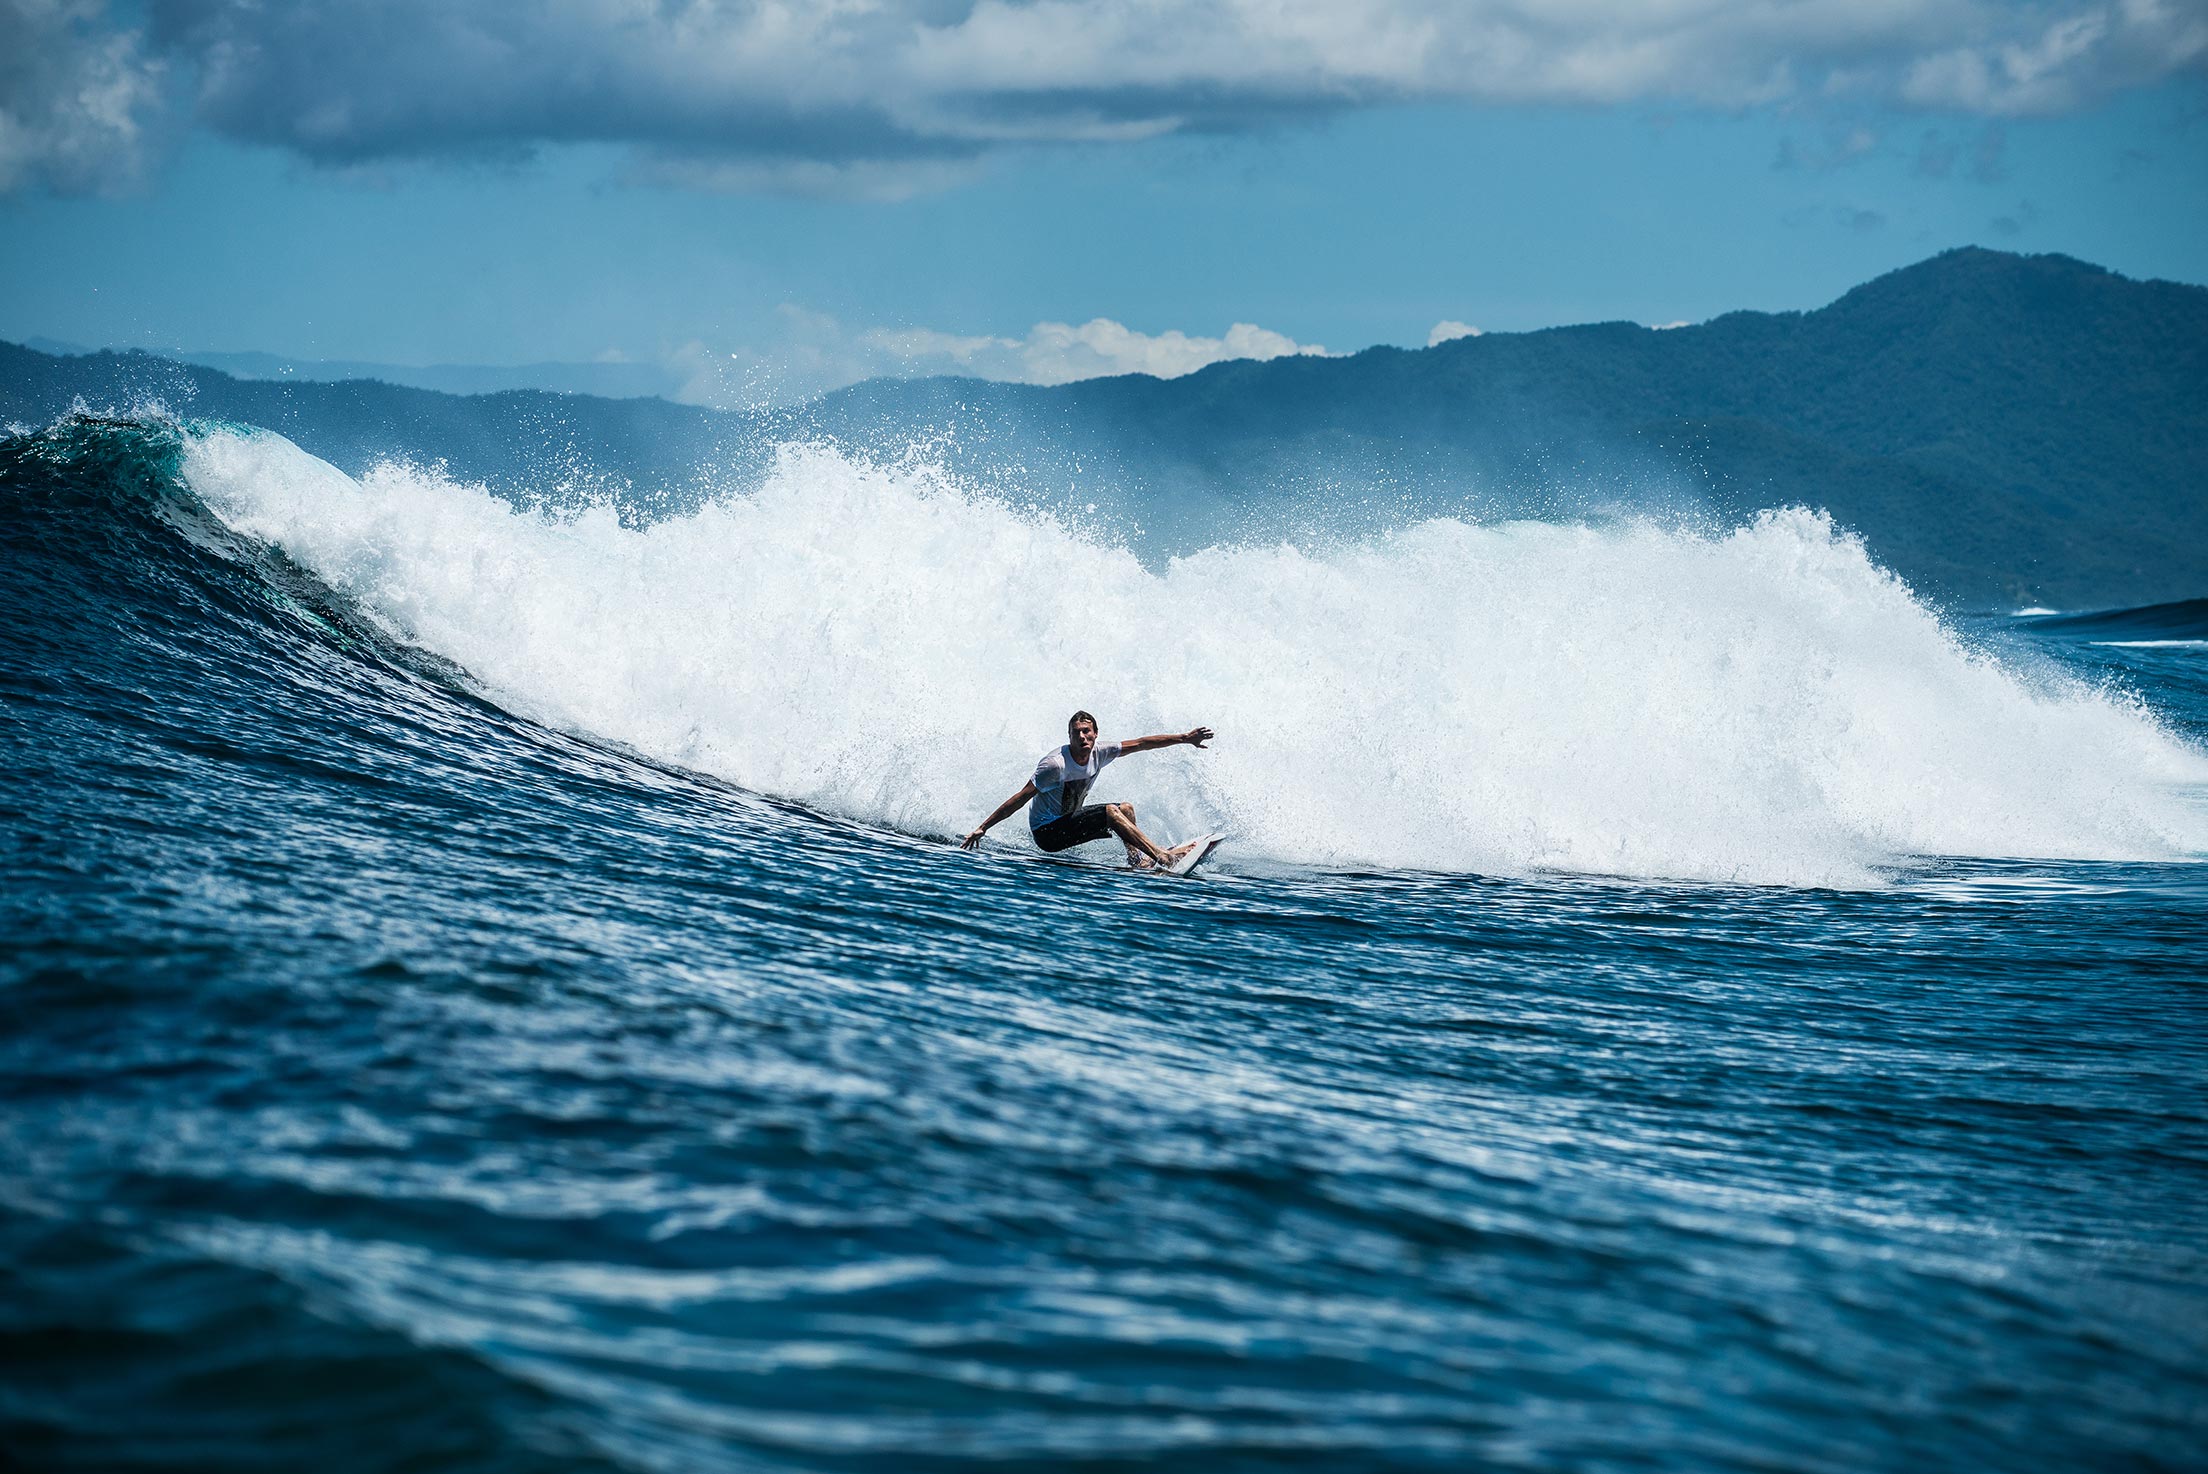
x=1194, y=737
x=1004, y=811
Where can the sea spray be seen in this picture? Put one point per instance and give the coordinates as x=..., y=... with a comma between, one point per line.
x=882, y=642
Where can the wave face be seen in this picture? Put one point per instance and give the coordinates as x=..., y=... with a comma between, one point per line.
x=879, y=642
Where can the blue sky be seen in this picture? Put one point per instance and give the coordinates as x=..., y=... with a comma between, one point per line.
x=801, y=235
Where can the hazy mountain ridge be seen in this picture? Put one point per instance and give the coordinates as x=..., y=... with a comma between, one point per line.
x=611, y=379
x=1998, y=427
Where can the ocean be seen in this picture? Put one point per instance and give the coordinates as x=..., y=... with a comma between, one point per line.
x=493, y=987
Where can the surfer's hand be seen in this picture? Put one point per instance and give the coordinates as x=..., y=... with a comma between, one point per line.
x=971, y=841
x=1197, y=736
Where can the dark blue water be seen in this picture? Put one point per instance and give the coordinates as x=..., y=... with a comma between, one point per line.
x=390, y=1082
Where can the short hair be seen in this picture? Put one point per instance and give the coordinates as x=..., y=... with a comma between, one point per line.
x=1079, y=716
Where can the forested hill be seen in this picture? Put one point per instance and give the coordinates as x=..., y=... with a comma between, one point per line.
x=1998, y=427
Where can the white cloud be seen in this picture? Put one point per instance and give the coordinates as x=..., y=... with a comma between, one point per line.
x=1059, y=353
x=1449, y=329
x=1056, y=353
x=76, y=97
x=2056, y=58
x=811, y=353
x=885, y=97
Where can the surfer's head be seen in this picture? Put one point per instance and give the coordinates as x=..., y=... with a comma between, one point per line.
x=1081, y=730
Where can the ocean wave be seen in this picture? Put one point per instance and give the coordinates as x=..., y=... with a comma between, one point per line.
x=2183, y=621
x=885, y=643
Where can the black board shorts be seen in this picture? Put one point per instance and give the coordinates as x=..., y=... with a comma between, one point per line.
x=1079, y=827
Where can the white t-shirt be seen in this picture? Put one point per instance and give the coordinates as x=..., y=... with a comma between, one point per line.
x=1061, y=783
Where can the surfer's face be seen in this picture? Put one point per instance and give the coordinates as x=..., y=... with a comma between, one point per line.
x=1084, y=736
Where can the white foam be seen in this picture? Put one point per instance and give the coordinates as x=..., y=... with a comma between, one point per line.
x=1760, y=705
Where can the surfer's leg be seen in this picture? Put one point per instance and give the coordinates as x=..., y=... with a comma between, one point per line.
x=1135, y=856
x=1122, y=819
x=1136, y=859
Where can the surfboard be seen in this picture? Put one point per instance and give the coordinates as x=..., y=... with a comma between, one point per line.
x=1198, y=852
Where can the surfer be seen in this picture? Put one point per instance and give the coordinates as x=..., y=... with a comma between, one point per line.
x=1057, y=817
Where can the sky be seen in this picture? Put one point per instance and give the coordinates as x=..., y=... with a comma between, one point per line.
x=766, y=199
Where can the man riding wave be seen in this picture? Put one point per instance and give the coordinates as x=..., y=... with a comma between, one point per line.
x=1059, y=819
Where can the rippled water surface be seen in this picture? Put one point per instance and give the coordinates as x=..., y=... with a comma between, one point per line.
x=391, y=1080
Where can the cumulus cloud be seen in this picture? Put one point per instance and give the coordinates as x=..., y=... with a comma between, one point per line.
x=885, y=96
x=2052, y=58
x=76, y=97
x=1448, y=329
x=808, y=353
x=1059, y=353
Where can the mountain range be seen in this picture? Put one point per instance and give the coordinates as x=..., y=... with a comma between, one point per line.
x=616, y=379
x=2000, y=429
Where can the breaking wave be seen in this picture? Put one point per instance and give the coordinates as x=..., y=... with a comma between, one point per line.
x=1759, y=705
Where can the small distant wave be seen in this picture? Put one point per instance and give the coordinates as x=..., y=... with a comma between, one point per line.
x=2182, y=622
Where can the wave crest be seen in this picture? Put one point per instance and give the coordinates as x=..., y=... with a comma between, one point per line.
x=1760, y=705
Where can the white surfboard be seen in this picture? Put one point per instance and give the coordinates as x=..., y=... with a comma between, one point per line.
x=1197, y=853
